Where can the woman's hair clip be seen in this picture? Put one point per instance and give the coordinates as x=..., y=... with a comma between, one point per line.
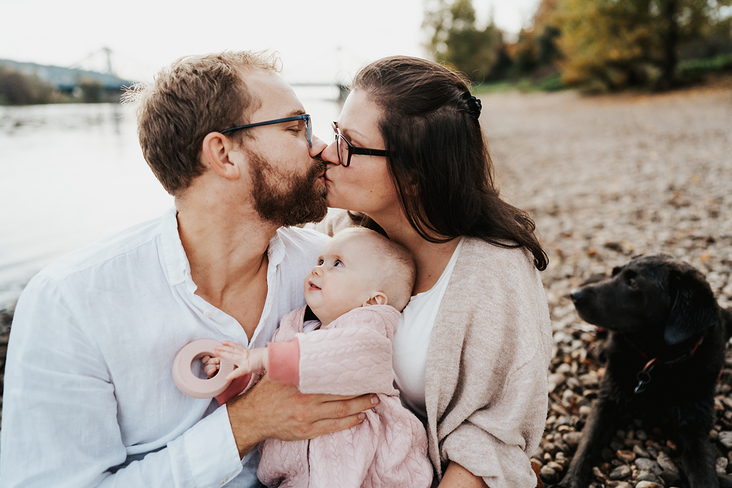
x=474, y=107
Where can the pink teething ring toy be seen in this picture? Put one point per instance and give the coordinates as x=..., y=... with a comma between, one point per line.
x=189, y=383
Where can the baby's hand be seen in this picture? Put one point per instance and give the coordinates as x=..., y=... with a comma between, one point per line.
x=211, y=365
x=246, y=360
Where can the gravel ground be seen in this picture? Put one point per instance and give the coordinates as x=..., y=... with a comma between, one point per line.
x=607, y=178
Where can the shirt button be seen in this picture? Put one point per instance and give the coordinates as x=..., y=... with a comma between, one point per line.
x=176, y=277
x=207, y=313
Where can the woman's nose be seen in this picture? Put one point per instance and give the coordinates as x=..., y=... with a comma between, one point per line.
x=330, y=154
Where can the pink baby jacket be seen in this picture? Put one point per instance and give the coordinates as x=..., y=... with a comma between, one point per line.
x=351, y=356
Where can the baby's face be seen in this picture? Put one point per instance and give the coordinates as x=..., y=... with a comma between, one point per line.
x=345, y=277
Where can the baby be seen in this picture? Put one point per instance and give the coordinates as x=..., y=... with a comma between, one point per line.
x=340, y=343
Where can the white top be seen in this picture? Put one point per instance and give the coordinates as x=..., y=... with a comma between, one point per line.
x=412, y=339
x=89, y=390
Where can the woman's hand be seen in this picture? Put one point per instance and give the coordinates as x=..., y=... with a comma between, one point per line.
x=458, y=477
x=275, y=410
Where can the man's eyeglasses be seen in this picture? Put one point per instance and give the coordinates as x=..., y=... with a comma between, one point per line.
x=345, y=151
x=305, y=117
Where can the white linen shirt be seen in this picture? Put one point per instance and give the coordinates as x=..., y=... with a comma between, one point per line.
x=89, y=394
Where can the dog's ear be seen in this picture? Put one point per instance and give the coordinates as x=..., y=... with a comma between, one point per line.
x=694, y=308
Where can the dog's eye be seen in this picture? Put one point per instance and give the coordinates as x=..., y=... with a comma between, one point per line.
x=632, y=283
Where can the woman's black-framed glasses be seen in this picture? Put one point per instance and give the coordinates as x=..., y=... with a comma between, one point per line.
x=344, y=159
x=305, y=117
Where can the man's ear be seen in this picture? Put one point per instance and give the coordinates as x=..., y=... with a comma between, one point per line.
x=378, y=298
x=215, y=153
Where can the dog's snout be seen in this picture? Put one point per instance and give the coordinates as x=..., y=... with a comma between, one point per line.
x=577, y=295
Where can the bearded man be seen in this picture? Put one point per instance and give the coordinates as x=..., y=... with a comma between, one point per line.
x=90, y=398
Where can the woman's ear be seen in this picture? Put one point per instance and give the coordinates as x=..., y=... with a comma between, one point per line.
x=215, y=154
x=378, y=298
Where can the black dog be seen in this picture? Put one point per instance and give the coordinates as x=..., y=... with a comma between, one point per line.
x=665, y=352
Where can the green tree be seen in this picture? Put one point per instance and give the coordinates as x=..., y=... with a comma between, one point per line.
x=612, y=44
x=455, y=39
x=536, y=47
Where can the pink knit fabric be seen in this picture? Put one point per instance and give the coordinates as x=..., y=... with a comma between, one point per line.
x=283, y=360
x=352, y=356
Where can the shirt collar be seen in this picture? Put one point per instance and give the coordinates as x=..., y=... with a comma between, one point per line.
x=174, y=256
x=176, y=261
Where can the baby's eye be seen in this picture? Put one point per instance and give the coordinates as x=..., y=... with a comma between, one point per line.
x=338, y=262
x=320, y=262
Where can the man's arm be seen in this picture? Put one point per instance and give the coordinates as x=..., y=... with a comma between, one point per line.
x=61, y=424
x=276, y=410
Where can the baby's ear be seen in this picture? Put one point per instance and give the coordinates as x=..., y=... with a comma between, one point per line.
x=378, y=298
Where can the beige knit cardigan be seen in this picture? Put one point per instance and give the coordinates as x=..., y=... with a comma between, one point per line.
x=487, y=364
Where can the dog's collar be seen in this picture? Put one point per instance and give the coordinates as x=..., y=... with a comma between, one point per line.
x=644, y=375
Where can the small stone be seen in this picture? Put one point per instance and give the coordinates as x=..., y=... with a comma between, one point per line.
x=721, y=465
x=625, y=456
x=666, y=463
x=619, y=473
x=567, y=396
x=549, y=447
x=585, y=410
x=640, y=452
x=564, y=420
x=598, y=474
x=572, y=438
x=589, y=379
x=646, y=476
x=547, y=474
x=648, y=484
x=619, y=484
x=649, y=465
x=725, y=438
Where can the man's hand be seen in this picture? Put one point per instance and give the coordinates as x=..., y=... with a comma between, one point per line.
x=276, y=410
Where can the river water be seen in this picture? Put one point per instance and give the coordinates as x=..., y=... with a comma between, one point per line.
x=73, y=173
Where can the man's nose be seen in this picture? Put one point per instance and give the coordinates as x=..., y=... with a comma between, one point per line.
x=318, y=147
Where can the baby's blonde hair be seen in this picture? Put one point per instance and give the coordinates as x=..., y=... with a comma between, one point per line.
x=396, y=274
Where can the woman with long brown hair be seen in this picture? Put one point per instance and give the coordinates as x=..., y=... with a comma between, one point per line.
x=472, y=349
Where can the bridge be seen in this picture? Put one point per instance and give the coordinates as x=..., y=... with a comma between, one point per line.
x=99, y=68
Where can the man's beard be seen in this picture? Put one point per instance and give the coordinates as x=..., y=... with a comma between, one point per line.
x=287, y=199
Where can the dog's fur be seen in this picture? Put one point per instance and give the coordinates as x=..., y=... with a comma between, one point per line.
x=655, y=308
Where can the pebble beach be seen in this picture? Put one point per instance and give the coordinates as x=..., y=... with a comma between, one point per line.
x=607, y=178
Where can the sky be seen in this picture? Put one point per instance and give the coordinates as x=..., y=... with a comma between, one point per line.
x=319, y=41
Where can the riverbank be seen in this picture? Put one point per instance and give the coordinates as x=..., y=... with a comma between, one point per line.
x=606, y=178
